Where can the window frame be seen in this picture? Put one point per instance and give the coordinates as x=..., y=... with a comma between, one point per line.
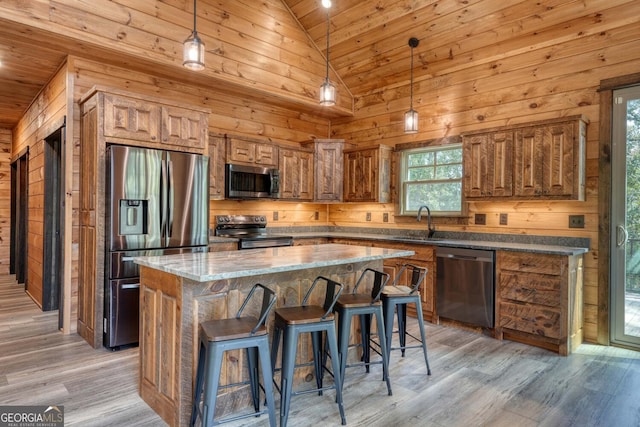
x=403, y=172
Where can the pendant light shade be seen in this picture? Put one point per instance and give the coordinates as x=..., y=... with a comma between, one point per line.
x=411, y=116
x=193, y=50
x=327, y=89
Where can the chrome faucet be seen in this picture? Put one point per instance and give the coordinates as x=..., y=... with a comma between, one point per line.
x=431, y=230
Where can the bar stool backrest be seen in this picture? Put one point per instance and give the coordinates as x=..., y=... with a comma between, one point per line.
x=380, y=279
x=332, y=293
x=417, y=276
x=268, y=300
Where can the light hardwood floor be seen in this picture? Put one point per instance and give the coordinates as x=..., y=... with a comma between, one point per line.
x=475, y=381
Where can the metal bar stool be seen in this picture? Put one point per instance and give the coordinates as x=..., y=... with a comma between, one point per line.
x=314, y=319
x=218, y=336
x=396, y=298
x=364, y=306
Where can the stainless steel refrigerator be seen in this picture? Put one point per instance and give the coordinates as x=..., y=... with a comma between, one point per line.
x=157, y=203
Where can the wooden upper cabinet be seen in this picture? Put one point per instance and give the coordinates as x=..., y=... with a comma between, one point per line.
x=217, y=149
x=487, y=164
x=149, y=121
x=251, y=152
x=130, y=118
x=329, y=169
x=367, y=174
x=181, y=126
x=296, y=174
x=549, y=160
x=541, y=160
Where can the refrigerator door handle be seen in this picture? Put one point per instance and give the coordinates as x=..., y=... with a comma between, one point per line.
x=170, y=201
x=163, y=202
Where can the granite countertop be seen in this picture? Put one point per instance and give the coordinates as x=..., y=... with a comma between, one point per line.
x=553, y=245
x=208, y=266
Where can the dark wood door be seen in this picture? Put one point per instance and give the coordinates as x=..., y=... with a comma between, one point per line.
x=19, y=216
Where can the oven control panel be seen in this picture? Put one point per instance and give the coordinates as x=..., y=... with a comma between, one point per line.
x=230, y=221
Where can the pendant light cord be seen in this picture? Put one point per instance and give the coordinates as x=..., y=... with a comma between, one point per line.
x=328, y=26
x=411, y=95
x=194, y=16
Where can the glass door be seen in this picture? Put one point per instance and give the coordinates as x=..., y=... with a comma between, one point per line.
x=625, y=218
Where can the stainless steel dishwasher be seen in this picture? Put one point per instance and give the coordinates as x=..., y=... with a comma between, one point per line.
x=465, y=285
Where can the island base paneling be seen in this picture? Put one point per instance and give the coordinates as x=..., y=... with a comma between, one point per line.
x=171, y=310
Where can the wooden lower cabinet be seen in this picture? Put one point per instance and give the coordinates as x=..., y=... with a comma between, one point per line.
x=539, y=299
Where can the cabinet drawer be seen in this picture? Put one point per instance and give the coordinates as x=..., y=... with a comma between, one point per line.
x=530, y=287
x=543, y=321
x=532, y=263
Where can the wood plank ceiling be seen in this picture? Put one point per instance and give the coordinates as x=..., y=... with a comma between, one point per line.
x=368, y=50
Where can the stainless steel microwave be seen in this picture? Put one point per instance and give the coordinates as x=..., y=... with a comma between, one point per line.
x=251, y=182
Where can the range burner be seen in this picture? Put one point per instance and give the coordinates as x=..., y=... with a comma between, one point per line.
x=250, y=230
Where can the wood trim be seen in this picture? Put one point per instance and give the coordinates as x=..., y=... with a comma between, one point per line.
x=604, y=201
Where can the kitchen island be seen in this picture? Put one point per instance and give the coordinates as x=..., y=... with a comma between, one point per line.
x=178, y=292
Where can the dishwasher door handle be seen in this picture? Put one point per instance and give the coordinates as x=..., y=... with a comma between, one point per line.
x=464, y=257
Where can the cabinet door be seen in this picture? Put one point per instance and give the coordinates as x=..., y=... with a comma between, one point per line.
x=182, y=127
x=352, y=177
x=544, y=161
x=474, y=150
x=329, y=171
x=367, y=176
x=487, y=162
x=368, y=161
x=296, y=174
x=558, y=162
x=252, y=153
x=130, y=118
x=216, y=167
x=528, y=153
x=499, y=165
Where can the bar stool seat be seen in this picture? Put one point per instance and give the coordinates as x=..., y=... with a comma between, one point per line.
x=395, y=299
x=290, y=322
x=220, y=335
x=363, y=306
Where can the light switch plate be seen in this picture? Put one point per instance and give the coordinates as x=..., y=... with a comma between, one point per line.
x=368, y=216
x=504, y=218
x=480, y=219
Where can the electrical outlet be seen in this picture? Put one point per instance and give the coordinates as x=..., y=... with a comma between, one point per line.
x=481, y=219
x=385, y=217
x=368, y=216
x=317, y=215
x=576, y=221
x=275, y=215
x=504, y=218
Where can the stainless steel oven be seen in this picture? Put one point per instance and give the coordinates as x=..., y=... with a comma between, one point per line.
x=250, y=230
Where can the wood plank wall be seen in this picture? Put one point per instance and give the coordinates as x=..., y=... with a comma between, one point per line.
x=553, y=70
x=5, y=199
x=44, y=116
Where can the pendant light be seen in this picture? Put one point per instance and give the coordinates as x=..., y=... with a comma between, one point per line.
x=327, y=89
x=411, y=116
x=193, y=55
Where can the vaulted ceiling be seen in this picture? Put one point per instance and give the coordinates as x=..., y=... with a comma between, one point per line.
x=368, y=40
